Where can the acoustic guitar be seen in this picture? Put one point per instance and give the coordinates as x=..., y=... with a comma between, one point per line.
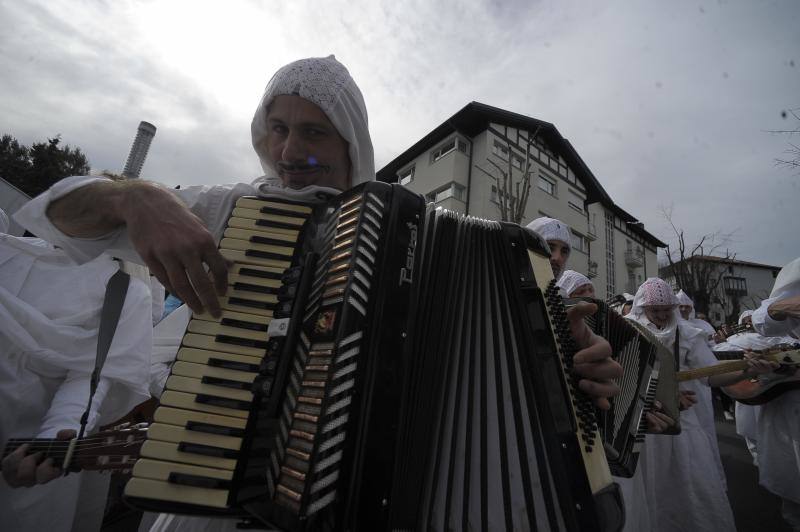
x=109, y=450
x=761, y=388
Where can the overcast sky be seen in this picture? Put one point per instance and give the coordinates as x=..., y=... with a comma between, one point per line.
x=669, y=103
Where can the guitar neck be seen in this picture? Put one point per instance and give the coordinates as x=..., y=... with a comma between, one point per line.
x=710, y=371
x=108, y=450
x=785, y=357
x=50, y=448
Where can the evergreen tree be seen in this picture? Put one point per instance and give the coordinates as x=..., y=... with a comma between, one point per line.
x=33, y=170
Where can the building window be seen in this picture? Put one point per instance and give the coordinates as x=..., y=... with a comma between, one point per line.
x=611, y=289
x=579, y=242
x=575, y=207
x=735, y=285
x=451, y=190
x=547, y=184
x=444, y=149
x=406, y=176
x=516, y=162
x=500, y=150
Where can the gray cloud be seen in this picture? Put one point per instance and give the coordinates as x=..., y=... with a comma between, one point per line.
x=667, y=103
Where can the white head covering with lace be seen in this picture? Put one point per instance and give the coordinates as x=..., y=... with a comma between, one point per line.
x=656, y=292
x=743, y=315
x=571, y=280
x=325, y=82
x=552, y=229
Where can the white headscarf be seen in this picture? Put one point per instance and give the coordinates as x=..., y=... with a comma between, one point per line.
x=743, y=315
x=571, y=280
x=683, y=299
x=326, y=83
x=552, y=229
x=652, y=292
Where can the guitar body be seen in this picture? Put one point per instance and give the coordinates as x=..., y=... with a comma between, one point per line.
x=763, y=390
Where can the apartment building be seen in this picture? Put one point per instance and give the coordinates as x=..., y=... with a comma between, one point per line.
x=739, y=285
x=454, y=165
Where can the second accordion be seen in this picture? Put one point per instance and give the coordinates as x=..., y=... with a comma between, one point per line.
x=381, y=364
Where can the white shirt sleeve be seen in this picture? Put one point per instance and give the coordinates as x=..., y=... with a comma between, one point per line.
x=69, y=403
x=212, y=204
x=766, y=326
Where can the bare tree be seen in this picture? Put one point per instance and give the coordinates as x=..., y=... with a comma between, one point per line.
x=699, y=269
x=792, y=161
x=512, y=194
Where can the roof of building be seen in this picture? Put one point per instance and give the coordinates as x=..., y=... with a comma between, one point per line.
x=732, y=261
x=476, y=117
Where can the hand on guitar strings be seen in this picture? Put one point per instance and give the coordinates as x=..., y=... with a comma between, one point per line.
x=686, y=399
x=593, y=362
x=658, y=421
x=758, y=365
x=20, y=470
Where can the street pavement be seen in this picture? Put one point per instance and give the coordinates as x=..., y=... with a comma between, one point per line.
x=755, y=509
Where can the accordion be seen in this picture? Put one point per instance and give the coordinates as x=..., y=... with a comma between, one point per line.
x=648, y=376
x=380, y=365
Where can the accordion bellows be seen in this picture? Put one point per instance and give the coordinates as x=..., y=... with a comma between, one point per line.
x=415, y=375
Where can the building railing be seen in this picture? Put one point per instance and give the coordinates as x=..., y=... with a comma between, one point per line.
x=634, y=258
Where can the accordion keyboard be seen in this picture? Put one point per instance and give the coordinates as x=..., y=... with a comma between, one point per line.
x=194, y=453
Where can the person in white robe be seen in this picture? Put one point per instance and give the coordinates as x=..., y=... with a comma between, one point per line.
x=747, y=415
x=49, y=318
x=575, y=284
x=683, y=485
x=300, y=162
x=779, y=423
x=559, y=239
x=705, y=401
x=686, y=308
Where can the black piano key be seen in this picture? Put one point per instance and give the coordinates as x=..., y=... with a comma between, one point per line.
x=197, y=426
x=270, y=241
x=253, y=304
x=223, y=402
x=239, y=324
x=207, y=450
x=199, y=482
x=250, y=272
x=235, y=340
x=247, y=287
x=226, y=383
x=266, y=255
x=283, y=212
x=230, y=364
x=276, y=224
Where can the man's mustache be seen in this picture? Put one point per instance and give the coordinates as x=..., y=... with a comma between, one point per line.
x=302, y=167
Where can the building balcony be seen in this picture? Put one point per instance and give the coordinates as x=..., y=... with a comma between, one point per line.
x=634, y=258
